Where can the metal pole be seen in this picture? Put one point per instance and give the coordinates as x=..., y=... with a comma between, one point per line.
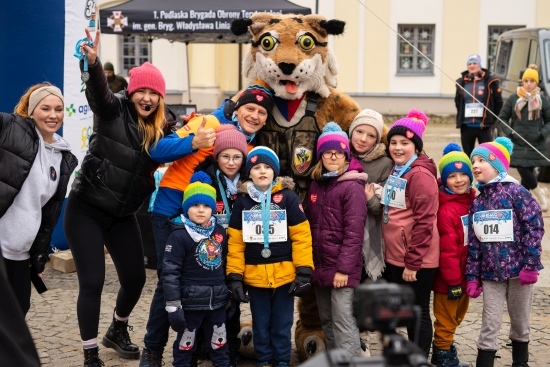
x=239, y=67
x=188, y=77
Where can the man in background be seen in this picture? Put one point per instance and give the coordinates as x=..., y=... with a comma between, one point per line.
x=116, y=82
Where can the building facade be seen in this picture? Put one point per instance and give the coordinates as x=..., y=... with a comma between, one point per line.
x=379, y=55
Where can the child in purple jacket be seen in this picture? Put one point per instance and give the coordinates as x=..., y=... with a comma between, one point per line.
x=337, y=209
x=505, y=233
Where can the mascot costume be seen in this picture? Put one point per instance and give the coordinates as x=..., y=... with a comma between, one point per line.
x=290, y=53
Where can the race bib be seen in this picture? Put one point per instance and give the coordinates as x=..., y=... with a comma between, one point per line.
x=494, y=225
x=253, y=230
x=397, y=197
x=473, y=110
x=464, y=220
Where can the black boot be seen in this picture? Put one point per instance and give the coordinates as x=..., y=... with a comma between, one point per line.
x=520, y=354
x=150, y=359
x=485, y=358
x=91, y=358
x=117, y=338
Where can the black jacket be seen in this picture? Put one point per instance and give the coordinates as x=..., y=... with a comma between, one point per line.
x=19, y=143
x=492, y=99
x=117, y=173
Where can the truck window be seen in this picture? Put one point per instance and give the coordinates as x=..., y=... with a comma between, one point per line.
x=534, y=57
x=518, y=62
x=502, y=57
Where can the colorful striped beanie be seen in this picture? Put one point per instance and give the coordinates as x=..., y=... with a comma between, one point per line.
x=497, y=153
x=454, y=160
x=199, y=191
x=333, y=138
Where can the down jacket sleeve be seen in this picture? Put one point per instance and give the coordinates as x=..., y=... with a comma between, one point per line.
x=451, y=243
x=355, y=209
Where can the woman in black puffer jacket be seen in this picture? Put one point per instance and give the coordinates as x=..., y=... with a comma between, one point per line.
x=114, y=180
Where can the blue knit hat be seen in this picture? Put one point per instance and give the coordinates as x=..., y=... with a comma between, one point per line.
x=199, y=191
x=333, y=138
x=454, y=160
x=474, y=58
x=265, y=155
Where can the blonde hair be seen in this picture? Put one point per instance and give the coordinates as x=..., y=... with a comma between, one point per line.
x=22, y=108
x=317, y=171
x=152, y=128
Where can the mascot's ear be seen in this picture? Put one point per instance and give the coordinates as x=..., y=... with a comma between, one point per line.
x=333, y=26
x=240, y=26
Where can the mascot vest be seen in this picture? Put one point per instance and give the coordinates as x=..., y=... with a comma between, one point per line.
x=295, y=146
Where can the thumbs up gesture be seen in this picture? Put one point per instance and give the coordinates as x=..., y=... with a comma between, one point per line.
x=204, y=138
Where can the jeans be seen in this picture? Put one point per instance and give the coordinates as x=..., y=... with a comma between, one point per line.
x=272, y=318
x=158, y=326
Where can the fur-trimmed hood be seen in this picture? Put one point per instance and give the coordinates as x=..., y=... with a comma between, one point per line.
x=281, y=183
x=378, y=151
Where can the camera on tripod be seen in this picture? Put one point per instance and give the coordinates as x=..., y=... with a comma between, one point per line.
x=382, y=307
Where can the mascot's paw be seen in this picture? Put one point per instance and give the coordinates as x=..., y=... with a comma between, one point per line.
x=309, y=342
x=247, y=343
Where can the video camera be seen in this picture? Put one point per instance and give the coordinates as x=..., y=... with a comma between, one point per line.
x=383, y=307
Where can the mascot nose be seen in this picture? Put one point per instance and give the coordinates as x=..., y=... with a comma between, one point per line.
x=286, y=68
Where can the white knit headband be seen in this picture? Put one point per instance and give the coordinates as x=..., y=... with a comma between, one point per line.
x=42, y=93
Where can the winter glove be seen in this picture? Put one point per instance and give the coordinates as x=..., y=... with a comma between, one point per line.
x=301, y=284
x=528, y=276
x=454, y=292
x=236, y=288
x=473, y=288
x=177, y=320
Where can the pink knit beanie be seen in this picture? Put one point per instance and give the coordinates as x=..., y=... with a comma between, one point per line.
x=229, y=137
x=146, y=76
x=412, y=127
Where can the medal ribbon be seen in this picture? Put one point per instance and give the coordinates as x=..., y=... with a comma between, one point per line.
x=266, y=208
x=223, y=194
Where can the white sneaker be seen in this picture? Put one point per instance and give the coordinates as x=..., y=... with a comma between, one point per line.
x=540, y=196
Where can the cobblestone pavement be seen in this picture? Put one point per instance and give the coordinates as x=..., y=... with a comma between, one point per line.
x=53, y=323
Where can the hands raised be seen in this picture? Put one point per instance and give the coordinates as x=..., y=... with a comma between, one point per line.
x=92, y=51
x=204, y=138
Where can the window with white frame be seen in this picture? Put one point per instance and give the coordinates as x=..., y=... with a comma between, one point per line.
x=492, y=36
x=135, y=51
x=409, y=60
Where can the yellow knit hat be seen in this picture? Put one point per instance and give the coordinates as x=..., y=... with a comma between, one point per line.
x=531, y=73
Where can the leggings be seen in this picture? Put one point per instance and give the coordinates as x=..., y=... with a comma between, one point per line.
x=19, y=278
x=528, y=178
x=87, y=229
x=422, y=288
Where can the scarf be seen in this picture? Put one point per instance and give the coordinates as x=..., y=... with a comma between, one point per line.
x=499, y=178
x=231, y=185
x=532, y=100
x=248, y=137
x=196, y=231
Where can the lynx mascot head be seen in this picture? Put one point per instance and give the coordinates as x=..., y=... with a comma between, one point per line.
x=291, y=54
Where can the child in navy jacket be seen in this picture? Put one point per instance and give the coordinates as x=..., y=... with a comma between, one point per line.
x=193, y=275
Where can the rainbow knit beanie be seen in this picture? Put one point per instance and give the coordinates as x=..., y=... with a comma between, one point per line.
x=454, y=160
x=199, y=191
x=497, y=153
